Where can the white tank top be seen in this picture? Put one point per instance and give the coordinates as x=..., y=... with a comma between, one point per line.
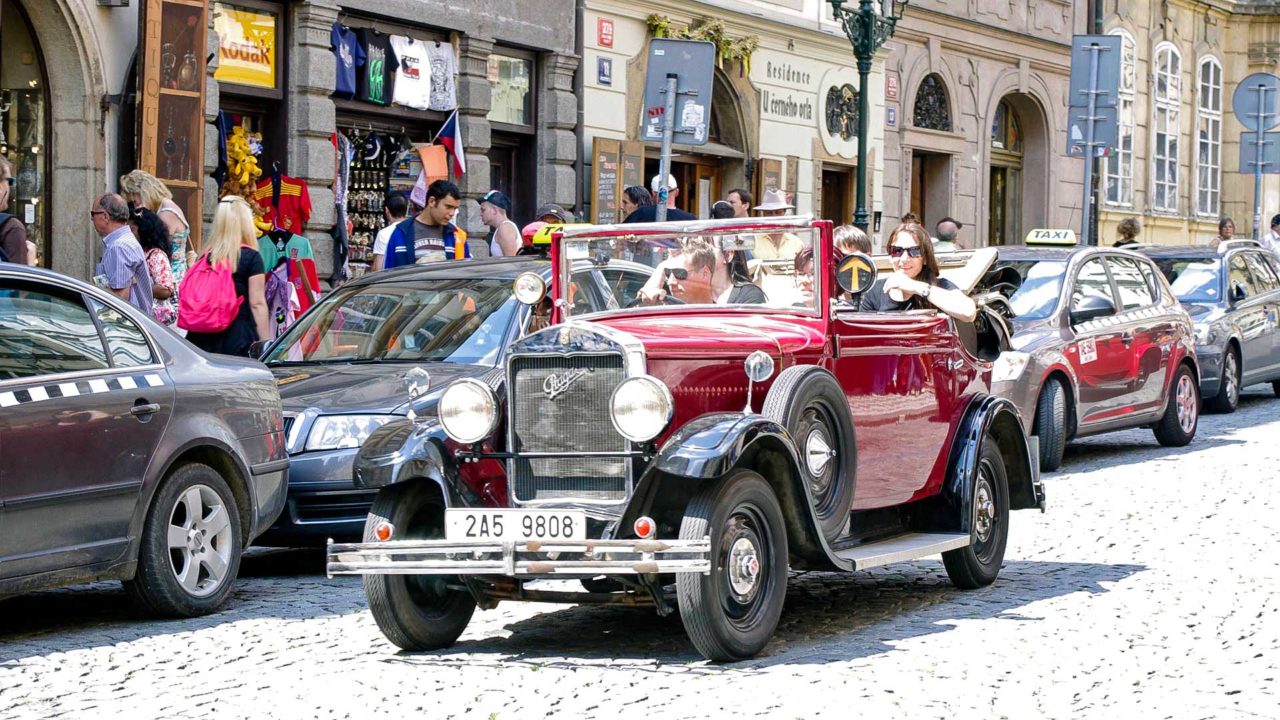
x=494, y=248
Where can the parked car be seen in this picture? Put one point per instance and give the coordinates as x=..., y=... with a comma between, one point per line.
x=125, y=453
x=684, y=456
x=1233, y=295
x=344, y=369
x=1100, y=343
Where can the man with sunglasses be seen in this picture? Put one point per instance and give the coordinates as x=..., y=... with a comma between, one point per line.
x=690, y=281
x=915, y=282
x=13, y=234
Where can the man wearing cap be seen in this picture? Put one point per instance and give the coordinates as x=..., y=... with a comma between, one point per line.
x=504, y=235
x=776, y=246
x=553, y=214
x=649, y=213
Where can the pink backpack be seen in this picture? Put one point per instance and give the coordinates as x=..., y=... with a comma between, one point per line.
x=207, y=300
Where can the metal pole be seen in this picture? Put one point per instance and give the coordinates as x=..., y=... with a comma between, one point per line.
x=863, y=51
x=1087, y=238
x=668, y=129
x=1257, y=163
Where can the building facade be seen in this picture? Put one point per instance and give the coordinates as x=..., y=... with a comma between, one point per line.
x=1178, y=167
x=976, y=114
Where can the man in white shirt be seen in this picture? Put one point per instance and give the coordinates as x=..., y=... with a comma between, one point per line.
x=394, y=209
x=504, y=235
x=1271, y=240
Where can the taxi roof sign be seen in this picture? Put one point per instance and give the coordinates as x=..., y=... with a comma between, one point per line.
x=1051, y=236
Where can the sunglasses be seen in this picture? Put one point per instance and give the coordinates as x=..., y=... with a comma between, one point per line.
x=678, y=273
x=11, y=181
x=898, y=251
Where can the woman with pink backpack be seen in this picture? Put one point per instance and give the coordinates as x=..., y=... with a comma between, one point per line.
x=222, y=303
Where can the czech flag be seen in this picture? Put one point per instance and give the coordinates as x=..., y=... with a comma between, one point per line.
x=450, y=136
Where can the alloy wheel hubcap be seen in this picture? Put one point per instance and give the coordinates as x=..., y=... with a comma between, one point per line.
x=199, y=541
x=1186, y=404
x=744, y=567
x=1233, y=388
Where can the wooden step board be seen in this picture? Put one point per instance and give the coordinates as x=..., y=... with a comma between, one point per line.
x=900, y=548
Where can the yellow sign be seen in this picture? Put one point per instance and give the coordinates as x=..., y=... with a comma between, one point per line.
x=246, y=46
x=1051, y=236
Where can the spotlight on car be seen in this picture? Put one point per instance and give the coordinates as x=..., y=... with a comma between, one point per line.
x=529, y=288
x=641, y=407
x=468, y=411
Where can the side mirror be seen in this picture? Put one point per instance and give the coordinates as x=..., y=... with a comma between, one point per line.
x=1091, y=308
x=258, y=349
x=856, y=273
x=1238, y=292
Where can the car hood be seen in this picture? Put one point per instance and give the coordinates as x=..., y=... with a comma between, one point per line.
x=1203, y=312
x=710, y=335
x=375, y=388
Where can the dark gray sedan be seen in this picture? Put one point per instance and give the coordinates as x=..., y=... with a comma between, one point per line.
x=125, y=453
x=1233, y=295
x=350, y=364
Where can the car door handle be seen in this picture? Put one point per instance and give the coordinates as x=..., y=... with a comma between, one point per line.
x=144, y=409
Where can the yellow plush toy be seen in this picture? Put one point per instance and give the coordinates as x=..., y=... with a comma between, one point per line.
x=243, y=172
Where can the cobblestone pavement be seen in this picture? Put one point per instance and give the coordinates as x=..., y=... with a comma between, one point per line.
x=1147, y=590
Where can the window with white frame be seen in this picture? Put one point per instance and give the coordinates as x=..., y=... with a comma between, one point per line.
x=1166, y=93
x=1119, y=168
x=1209, y=137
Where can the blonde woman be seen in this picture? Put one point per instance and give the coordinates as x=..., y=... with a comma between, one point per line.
x=142, y=189
x=233, y=243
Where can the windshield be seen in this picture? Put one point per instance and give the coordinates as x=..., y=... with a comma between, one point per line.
x=457, y=321
x=1037, y=296
x=774, y=269
x=1194, y=280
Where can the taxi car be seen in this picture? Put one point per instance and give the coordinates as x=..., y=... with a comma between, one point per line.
x=1100, y=343
x=683, y=456
x=1232, y=293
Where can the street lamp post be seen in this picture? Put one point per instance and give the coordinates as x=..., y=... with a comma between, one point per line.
x=867, y=30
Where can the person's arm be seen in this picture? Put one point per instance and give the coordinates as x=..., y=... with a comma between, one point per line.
x=122, y=293
x=376, y=265
x=258, y=305
x=950, y=301
x=508, y=239
x=161, y=275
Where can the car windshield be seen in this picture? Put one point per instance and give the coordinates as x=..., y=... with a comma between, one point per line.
x=1037, y=296
x=1194, y=280
x=715, y=268
x=457, y=321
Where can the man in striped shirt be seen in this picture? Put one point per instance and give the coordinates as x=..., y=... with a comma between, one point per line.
x=123, y=268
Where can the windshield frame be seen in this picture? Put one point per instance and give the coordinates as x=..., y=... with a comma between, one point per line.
x=823, y=264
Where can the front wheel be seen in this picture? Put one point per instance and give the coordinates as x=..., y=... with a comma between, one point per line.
x=414, y=612
x=1228, y=397
x=1178, y=424
x=731, y=612
x=977, y=564
x=1051, y=424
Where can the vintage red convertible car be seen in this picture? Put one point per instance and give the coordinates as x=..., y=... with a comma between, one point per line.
x=684, y=455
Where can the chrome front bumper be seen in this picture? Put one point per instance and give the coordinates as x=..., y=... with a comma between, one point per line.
x=524, y=558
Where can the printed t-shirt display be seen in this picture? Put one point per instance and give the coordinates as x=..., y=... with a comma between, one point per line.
x=444, y=66
x=287, y=202
x=295, y=250
x=379, y=72
x=412, y=87
x=349, y=56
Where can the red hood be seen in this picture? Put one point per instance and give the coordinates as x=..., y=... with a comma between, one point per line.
x=674, y=334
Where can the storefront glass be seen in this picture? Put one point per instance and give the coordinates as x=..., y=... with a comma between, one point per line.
x=24, y=124
x=512, y=95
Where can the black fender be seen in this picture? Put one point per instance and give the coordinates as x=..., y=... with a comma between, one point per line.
x=403, y=450
x=987, y=419
x=706, y=449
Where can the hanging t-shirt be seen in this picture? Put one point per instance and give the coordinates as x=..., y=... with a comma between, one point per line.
x=413, y=73
x=346, y=51
x=379, y=72
x=295, y=252
x=287, y=202
x=444, y=94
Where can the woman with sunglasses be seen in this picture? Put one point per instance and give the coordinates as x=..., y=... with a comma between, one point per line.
x=915, y=282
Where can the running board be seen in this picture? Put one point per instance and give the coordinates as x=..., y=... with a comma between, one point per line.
x=902, y=547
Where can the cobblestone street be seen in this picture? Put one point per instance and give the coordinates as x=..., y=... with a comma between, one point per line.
x=1147, y=590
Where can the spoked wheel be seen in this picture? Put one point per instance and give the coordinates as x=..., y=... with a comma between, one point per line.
x=190, y=549
x=1228, y=397
x=731, y=613
x=1182, y=413
x=810, y=404
x=978, y=564
x=415, y=612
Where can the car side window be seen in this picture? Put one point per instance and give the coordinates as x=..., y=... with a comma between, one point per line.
x=1238, y=278
x=586, y=294
x=1264, y=276
x=1134, y=290
x=1091, y=282
x=46, y=331
x=125, y=340
x=1149, y=272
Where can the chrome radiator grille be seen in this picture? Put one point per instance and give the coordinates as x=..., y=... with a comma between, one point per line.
x=561, y=405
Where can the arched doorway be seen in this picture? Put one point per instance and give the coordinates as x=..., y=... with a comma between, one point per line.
x=1018, y=167
x=24, y=124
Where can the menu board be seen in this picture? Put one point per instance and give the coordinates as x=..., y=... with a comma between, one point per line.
x=633, y=164
x=770, y=177
x=606, y=173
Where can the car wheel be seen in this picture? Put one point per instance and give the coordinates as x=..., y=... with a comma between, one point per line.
x=977, y=564
x=414, y=612
x=1228, y=397
x=1051, y=424
x=189, y=553
x=811, y=405
x=731, y=612
x=1178, y=424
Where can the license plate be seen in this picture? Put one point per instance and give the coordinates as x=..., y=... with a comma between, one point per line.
x=515, y=525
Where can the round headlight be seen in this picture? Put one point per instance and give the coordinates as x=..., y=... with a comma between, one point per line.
x=468, y=411
x=641, y=407
x=529, y=288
